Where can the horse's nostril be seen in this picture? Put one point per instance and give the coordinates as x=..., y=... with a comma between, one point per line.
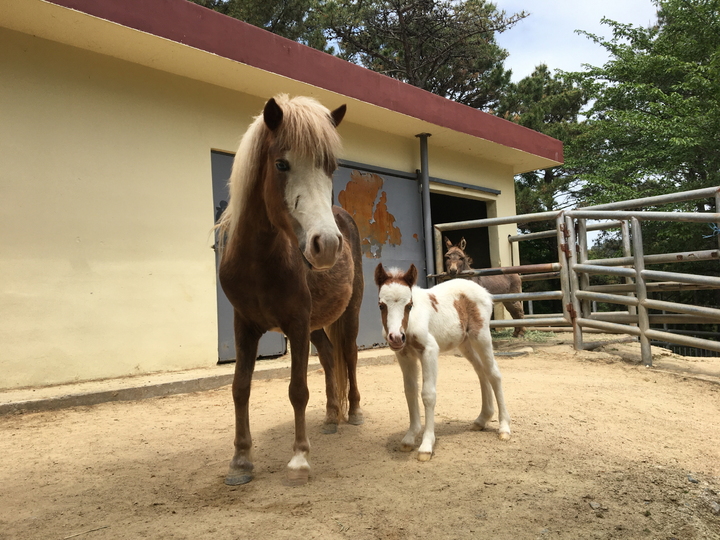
x=316, y=244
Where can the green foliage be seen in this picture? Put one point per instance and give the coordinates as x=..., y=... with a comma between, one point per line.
x=444, y=46
x=299, y=20
x=654, y=126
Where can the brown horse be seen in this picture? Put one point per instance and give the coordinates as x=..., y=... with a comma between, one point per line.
x=291, y=262
x=456, y=261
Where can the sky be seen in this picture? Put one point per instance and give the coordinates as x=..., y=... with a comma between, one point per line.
x=548, y=34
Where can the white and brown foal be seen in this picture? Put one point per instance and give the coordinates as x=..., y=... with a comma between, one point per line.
x=419, y=324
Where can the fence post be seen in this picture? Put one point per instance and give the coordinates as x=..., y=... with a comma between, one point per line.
x=641, y=292
x=574, y=308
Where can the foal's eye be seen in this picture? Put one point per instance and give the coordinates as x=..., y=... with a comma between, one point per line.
x=282, y=165
x=382, y=307
x=409, y=307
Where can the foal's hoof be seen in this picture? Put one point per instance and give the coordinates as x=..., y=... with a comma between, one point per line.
x=356, y=419
x=329, y=428
x=238, y=479
x=504, y=436
x=297, y=477
x=406, y=447
x=424, y=456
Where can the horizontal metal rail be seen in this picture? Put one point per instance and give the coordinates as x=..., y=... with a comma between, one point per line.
x=656, y=200
x=502, y=270
x=608, y=298
x=698, y=217
x=658, y=286
x=540, y=295
x=686, y=256
x=613, y=328
x=509, y=323
x=683, y=340
x=683, y=278
x=490, y=222
x=553, y=233
x=700, y=311
x=611, y=270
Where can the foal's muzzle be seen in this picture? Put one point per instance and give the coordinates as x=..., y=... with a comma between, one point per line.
x=396, y=340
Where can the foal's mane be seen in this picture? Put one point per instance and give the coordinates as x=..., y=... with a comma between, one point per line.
x=306, y=128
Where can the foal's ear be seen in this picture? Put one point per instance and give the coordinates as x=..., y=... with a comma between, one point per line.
x=338, y=114
x=448, y=243
x=272, y=114
x=462, y=243
x=381, y=275
x=411, y=275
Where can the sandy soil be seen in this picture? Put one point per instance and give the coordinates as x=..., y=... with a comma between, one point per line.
x=601, y=449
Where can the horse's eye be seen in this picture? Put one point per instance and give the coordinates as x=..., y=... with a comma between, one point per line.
x=282, y=165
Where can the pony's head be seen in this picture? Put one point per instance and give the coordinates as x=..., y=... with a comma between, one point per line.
x=456, y=260
x=291, y=148
x=395, y=302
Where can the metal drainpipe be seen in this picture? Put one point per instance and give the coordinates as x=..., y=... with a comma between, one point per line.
x=427, y=216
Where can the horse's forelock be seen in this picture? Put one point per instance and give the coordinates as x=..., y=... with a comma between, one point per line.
x=307, y=128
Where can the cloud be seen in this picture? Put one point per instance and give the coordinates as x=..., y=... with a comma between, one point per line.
x=548, y=35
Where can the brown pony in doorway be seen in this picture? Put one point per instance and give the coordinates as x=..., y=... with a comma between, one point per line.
x=456, y=261
x=291, y=262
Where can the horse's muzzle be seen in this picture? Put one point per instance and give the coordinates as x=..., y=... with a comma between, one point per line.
x=323, y=250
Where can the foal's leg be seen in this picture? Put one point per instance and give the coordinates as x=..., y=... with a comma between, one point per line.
x=488, y=408
x=429, y=361
x=325, y=352
x=483, y=346
x=246, y=344
x=298, y=470
x=409, y=365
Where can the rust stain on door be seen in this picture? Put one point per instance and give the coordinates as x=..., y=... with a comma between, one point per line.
x=376, y=224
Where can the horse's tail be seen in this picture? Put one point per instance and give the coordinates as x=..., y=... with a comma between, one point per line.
x=336, y=332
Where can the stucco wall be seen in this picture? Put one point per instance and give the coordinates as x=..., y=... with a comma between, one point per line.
x=106, y=210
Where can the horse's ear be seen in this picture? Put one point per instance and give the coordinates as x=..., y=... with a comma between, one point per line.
x=411, y=275
x=448, y=243
x=462, y=243
x=338, y=114
x=272, y=114
x=381, y=275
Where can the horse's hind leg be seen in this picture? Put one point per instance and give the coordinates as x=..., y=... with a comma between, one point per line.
x=516, y=312
x=488, y=408
x=325, y=352
x=491, y=371
x=241, y=467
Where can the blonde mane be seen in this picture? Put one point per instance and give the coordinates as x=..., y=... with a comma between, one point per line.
x=306, y=128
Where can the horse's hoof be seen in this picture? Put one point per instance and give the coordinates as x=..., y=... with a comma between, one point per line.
x=356, y=419
x=238, y=479
x=297, y=477
x=406, y=447
x=329, y=428
x=424, y=456
x=504, y=436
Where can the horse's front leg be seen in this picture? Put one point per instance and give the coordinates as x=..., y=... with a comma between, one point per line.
x=429, y=361
x=298, y=470
x=408, y=365
x=246, y=344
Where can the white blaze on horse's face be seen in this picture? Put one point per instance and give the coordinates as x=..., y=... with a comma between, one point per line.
x=395, y=301
x=308, y=195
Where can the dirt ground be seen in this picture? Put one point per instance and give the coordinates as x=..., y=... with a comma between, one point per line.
x=601, y=448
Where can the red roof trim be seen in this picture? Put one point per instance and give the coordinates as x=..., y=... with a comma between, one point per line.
x=204, y=29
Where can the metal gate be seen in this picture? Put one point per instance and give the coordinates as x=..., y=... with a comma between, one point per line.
x=574, y=268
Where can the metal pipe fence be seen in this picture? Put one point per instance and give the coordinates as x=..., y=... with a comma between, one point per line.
x=573, y=270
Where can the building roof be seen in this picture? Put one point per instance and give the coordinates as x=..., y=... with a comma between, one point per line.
x=189, y=40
